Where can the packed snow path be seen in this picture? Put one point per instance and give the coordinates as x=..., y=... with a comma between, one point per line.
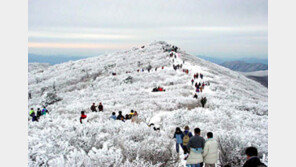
x=236, y=110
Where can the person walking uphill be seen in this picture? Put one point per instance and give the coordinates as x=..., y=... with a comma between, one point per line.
x=185, y=138
x=195, y=146
x=210, y=154
x=178, y=137
x=100, y=107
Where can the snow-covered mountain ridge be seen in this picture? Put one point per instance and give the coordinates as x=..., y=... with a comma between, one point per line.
x=236, y=110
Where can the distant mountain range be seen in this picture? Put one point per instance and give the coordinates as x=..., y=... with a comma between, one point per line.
x=259, y=76
x=253, y=68
x=244, y=59
x=244, y=67
x=53, y=59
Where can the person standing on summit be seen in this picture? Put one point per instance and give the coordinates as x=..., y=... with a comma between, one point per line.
x=100, y=107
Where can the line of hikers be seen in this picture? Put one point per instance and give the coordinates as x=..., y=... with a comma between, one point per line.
x=36, y=116
x=133, y=116
x=158, y=89
x=198, y=151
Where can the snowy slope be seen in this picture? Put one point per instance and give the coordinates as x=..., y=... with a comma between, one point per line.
x=236, y=111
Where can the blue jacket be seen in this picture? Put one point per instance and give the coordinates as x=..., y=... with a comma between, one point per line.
x=113, y=117
x=179, y=138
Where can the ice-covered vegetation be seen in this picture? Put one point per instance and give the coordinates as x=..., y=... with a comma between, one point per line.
x=236, y=110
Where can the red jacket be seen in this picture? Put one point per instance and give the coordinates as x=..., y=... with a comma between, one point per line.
x=82, y=117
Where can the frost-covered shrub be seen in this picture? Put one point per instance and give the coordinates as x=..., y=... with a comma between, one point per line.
x=60, y=142
x=231, y=151
x=128, y=80
x=50, y=98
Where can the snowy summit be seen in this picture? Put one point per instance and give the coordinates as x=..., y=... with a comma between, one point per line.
x=236, y=110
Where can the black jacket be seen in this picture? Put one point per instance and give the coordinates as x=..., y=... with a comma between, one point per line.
x=100, y=107
x=254, y=162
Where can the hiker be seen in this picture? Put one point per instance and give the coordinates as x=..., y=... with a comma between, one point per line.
x=210, y=154
x=195, y=96
x=120, y=116
x=185, y=137
x=138, y=70
x=30, y=95
x=203, y=101
x=83, y=116
x=174, y=67
x=135, y=117
x=192, y=81
x=156, y=69
x=196, y=85
x=201, y=76
x=195, y=146
x=155, y=90
x=197, y=89
x=160, y=89
x=252, y=158
x=162, y=67
x=44, y=111
x=32, y=114
x=201, y=88
x=113, y=116
x=127, y=117
x=178, y=137
x=38, y=113
x=93, y=108
x=100, y=107
x=132, y=113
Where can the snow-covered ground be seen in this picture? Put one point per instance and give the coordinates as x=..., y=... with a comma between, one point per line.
x=236, y=110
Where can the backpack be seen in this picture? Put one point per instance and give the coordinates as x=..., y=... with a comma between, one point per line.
x=186, y=139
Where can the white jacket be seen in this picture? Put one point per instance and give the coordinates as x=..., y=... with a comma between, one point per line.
x=194, y=157
x=210, y=153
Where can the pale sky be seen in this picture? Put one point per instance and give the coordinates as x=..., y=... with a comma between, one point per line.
x=215, y=28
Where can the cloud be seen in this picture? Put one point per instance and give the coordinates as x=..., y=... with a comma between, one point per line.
x=216, y=27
